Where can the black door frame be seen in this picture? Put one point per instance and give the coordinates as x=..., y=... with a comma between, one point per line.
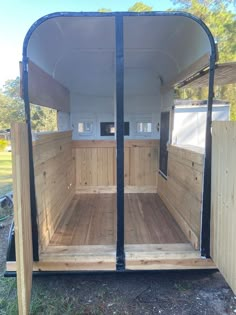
x=164, y=172
x=119, y=16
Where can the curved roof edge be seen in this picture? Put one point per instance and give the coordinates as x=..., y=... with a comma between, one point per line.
x=114, y=14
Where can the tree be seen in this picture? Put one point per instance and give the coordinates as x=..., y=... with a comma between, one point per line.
x=8, y=112
x=104, y=10
x=11, y=105
x=12, y=109
x=221, y=21
x=140, y=7
x=210, y=4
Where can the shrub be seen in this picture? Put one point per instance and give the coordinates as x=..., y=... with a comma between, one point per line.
x=3, y=144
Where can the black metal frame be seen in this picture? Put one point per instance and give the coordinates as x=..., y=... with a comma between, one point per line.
x=31, y=163
x=119, y=16
x=11, y=250
x=120, y=252
x=11, y=274
x=206, y=207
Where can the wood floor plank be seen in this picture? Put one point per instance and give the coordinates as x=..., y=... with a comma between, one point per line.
x=91, y=220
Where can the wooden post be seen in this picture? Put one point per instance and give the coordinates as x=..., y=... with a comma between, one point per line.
x=22, y=215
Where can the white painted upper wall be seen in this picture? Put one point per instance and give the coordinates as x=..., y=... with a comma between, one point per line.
x=190, y=123
x=137, y=108
x=79, y=52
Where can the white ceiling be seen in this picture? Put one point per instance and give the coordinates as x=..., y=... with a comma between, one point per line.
x=79, y=52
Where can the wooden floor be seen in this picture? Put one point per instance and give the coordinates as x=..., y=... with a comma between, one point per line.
x=91, y=220
x=85, y=239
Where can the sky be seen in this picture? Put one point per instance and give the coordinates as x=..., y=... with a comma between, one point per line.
x=16, y=17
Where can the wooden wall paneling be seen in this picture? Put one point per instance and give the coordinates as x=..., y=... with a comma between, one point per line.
x=223, y=204
x=127, y=166
x=102, y=162
x=93, y=144
x=188, y=153
x=91, y=167
x=189, y=178
x=112, y=143
x=96, y=164
x=185, y=227
x=43, y=137
x=22, y=215
x=111, y=166
x=135, y=170
x=182, y=191
x=79, y=153
x=54, y=180
x=44, y=152
x=187, y=162
x=154, y=164
x=141, y=143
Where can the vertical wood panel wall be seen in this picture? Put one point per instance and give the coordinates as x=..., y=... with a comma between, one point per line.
x=54, y=180
x=182, y=191
x=22, y=215
x=223, y=199
x=96, y=165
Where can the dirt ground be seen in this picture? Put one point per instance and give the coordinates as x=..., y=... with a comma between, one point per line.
x=166, y=293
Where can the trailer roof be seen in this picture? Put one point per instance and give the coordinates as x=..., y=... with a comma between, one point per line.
x=79, y=51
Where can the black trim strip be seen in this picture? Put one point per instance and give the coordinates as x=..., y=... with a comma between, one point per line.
x=206, y=204
x=11, y=251
x=119, y=98
x=10, y=274
x=31, y=163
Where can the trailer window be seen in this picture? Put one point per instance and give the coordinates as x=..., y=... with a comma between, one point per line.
x=85, y=128
x=144, y=127
x=108, y=128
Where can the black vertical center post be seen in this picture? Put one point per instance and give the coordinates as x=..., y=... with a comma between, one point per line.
x=119, y=99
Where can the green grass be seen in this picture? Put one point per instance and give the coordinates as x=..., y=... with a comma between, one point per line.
x=8, y=297
x=5, y=173
x=5, y=180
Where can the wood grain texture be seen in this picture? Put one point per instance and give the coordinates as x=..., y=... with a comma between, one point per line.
x=91, y=220
x=138, y=257
x=223, y=201
x=182, y=191
x=22, y=215
x=96, y=163
x=112, y=189
x=112, y=143
x=165, y=256
x=44, y=90
x=54, y=167
x=107, y=264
